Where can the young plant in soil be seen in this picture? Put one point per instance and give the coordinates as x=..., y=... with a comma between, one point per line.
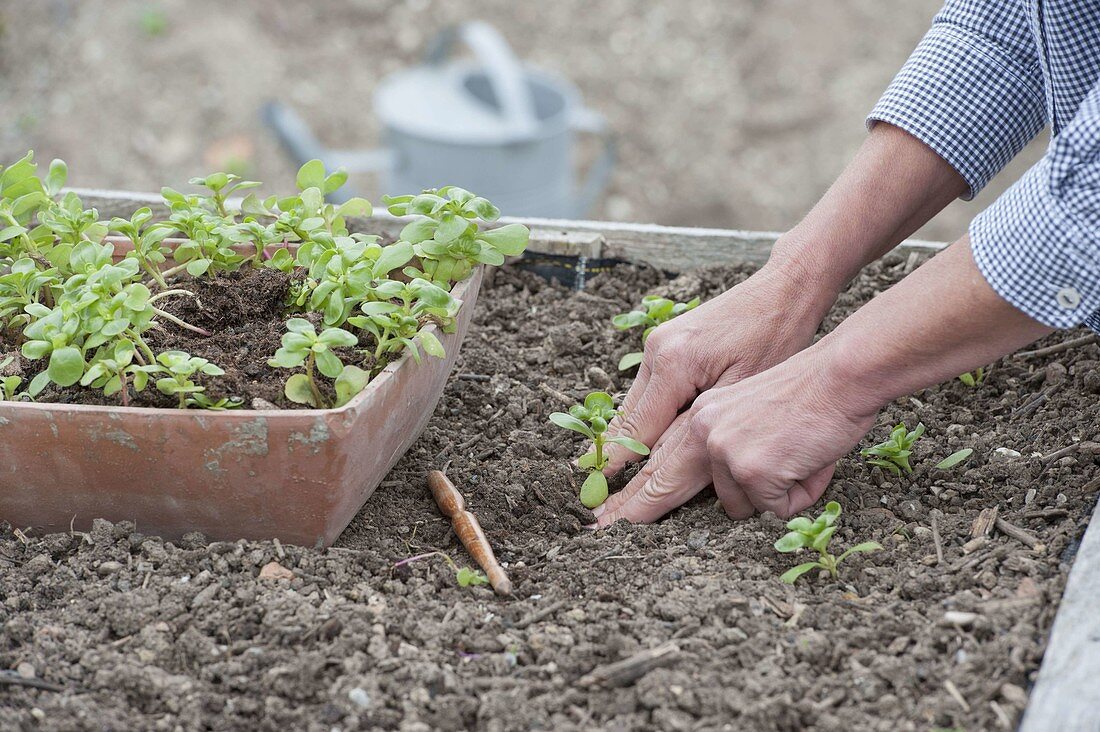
x=304, y=346
x=655, y=311
x=815, y=534
x=893, y=454
x=65, y=300
x=464, y=576
x=9, y=385
x=180, y=369
x=973, y=378
x=447, y=238
x=591, y=419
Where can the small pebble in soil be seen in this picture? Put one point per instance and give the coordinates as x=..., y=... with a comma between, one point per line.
x=360, y=697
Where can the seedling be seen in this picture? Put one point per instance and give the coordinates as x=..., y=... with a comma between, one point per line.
x=147, y=241
x=9, y=385
x=656, y=311
x=591, y=419
x=816, y=534
x=447, y=238
x=893, y=455
x=302, y=345
x=974, y=378
x=464, y=576
x=181, y=368
x=114, y=369
x=955, y=458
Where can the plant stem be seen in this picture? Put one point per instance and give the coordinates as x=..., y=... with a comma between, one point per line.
x=174, y=270
x=125, y=392
x=317, y=398
x=143, y=346
x=173, y=319
x=598, y=442
x=177, y=291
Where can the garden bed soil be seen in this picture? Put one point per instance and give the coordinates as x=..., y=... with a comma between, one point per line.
x=245, y=313
x=140, y=633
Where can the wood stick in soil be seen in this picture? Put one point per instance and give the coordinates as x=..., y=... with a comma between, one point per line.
x=629, y=670
x=1059, y=347
x=469, y=532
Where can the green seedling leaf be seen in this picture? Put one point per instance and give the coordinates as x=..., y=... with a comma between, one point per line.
x=630, y=444
x=955, y=458
x=571, y=423
x=349, y=383
x=311, y=175
x=587, y=461
x=594, y=489
x=298, y=390
x=816, y=534
x=792, y=574
x=467, y=577
x=630, y=360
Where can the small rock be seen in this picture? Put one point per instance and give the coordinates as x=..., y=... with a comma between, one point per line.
x=1014, y=695
x=275, y=571
x=959, y=618
x=26, y=671
x=698, y=539
x=1030, y=496
x=1055, y=374
x=360, y=697
x=106, y=569
x=598, y=378
x=262, y=404
x=1003, y=454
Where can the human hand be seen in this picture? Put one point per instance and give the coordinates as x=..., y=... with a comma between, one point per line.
x=748, y=329
x=766, y=443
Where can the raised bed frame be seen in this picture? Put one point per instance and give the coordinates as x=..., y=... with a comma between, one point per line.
x=1066, y=695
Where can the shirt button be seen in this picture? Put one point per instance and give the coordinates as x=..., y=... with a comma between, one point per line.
x=1069, y=298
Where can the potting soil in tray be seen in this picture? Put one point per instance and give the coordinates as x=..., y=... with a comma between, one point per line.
x=245, y=313
x=143, y=634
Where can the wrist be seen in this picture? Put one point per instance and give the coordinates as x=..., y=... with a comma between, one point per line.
x=804, y=280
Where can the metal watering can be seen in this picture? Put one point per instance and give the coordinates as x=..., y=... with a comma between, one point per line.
x=492, y=126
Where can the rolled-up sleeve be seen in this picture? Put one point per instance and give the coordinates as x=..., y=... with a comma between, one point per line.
x=972, y=90
x=1038, y=245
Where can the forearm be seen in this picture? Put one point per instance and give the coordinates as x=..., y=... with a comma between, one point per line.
x=941, y=321
x=893, y=186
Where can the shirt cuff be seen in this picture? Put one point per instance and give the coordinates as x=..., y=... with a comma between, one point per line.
x=967, y=98
x=1036, y=256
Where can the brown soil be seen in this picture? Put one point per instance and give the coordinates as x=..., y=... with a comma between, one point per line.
x=147, y=634
x=245, y=313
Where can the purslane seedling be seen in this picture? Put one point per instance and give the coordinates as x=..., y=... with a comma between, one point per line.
x=66, y=301
x=655, y=311
x=806, y=534
x=179, y=370
x=591, y=420
x=893, y=454
x=304, y=346
x=464, y=576
x=973, y=378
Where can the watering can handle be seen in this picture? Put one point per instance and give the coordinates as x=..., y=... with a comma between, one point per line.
x=595, y=181
x=501, y=67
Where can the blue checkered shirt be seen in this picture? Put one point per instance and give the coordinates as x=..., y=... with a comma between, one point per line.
x=987, y=77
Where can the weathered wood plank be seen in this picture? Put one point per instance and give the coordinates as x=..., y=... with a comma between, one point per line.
x=1067, y=696
x=672, y=248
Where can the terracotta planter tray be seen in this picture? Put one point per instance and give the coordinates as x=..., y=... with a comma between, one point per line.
x=297, y=475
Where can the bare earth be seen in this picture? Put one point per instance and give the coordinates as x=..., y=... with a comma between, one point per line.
x=731, y=114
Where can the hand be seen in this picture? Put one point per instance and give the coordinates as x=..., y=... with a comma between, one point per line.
x=754, y=326
x=770, y=442
x=767, y=443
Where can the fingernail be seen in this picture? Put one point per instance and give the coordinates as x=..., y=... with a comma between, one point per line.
x=599, y=509
x=592, y=527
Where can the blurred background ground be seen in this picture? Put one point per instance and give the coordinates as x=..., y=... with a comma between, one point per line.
x=730, y=113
